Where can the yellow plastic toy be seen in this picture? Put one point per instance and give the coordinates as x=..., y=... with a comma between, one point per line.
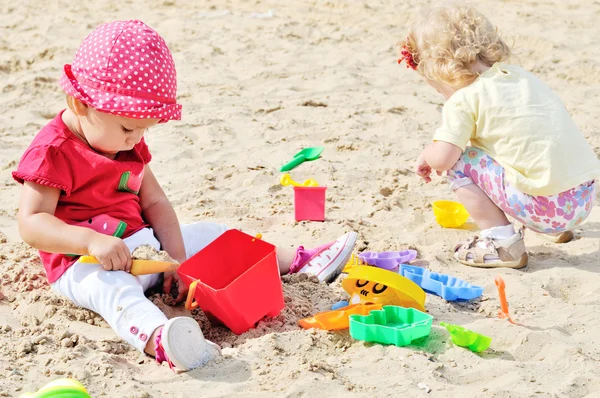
x=450, y=214
x=286, y=180
x=380, y=286
x=60, y=388
x=352, y=263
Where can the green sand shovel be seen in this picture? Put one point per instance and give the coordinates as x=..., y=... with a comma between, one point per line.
x=302, y=156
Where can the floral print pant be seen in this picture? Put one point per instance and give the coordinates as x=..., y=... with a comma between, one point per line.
x=545, y=214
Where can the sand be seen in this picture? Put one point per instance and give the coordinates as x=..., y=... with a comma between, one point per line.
x=259, y=81
x=147, y=252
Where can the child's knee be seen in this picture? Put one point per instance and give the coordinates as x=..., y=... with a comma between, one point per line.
x=197, y=236
x=459, y=182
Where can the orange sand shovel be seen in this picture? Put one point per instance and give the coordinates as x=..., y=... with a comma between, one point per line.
x=139, y=267
x=503, y=312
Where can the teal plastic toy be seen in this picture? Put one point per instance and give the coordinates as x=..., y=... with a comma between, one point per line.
x=391, y=325
x=466, y=338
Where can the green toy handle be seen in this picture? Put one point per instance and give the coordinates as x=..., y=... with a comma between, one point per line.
x=295, y=162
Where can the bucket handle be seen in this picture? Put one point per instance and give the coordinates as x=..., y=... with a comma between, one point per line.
x=190, y=303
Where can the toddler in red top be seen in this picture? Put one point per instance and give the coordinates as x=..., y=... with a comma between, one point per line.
x=88, y=189
x=57, y=158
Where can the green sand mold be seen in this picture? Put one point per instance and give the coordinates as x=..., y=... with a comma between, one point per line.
x=466, y=338
x=391, y=325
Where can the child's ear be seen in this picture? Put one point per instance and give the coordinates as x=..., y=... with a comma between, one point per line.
x=78, y=107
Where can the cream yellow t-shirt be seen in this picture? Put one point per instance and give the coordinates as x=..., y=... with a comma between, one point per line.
x=517, y=120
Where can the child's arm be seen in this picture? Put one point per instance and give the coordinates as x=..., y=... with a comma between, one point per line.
x=159, y=213
x=40, y=229
x=439, y=156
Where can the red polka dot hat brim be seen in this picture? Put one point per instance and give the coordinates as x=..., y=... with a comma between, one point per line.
x=115, y=100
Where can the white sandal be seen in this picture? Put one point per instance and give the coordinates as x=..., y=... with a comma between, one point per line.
x=493, y=253
x=182, y=344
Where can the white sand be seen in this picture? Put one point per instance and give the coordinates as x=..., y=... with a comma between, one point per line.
x=243, y=81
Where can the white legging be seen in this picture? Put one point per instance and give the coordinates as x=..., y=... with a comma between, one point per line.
x=119, y=296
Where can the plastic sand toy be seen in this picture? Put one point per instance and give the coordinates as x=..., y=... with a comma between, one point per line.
x=60, y=388
x=466, y=338
x=391, y=325
x=446, y=286
x=235, y=279
x=388, y=260
x=380, y=286
x=286, y=180
x=340, y=304
x=503, y=312
x=450, y=214
x=337, y=320
x=302, y=156
x=309, y=203
x=309, y=199
x=354, y=261
x=139, y=267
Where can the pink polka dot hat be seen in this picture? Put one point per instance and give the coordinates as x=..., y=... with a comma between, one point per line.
x=124, y=68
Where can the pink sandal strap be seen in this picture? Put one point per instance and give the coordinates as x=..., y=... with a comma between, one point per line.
x=161, y=355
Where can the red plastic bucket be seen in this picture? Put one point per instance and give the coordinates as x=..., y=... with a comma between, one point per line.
x=234, y=279
x=309, y=203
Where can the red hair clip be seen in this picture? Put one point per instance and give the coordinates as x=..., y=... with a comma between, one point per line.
x=406, y=55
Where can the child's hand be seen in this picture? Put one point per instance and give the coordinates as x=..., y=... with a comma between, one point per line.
x=111, y=252
x=173, y=277
x=422, y=169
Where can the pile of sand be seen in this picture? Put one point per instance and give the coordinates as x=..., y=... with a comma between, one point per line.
x=147, y=252
x=303, y=296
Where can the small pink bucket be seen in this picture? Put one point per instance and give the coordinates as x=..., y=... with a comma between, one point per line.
x=309, y=203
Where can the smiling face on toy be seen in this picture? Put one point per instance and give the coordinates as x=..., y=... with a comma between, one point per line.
x=365, y=291
x=367, y=284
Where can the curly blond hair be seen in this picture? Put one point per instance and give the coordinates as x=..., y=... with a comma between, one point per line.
x=449, y=40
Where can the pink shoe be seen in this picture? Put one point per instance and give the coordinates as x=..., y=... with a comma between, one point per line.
x=325, y=262
x=182, y=345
